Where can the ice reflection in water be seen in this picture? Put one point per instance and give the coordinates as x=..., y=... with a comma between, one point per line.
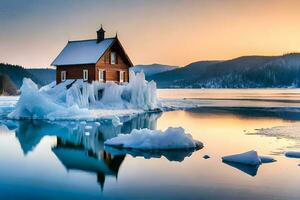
x=80, y=146
x=36, y=171
x=171, y=155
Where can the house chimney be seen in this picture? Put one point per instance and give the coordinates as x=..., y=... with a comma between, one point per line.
x=100, y=34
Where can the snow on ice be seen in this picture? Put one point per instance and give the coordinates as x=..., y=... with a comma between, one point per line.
x=77, y=100
x=288, y=132
x=248, y=158
x=146, y=139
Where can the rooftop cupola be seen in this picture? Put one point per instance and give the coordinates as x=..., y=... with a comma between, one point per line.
x=100, y=34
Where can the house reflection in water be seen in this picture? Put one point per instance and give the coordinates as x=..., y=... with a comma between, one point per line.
x=76, y=157
x=80, y=146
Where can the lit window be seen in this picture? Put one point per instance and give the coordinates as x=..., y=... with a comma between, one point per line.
x=63, y=76
x=101, y=75
x=113, y=58
x=85, y=74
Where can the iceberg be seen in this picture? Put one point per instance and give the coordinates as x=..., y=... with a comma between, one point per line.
x=247, y=162
x=77, y=100
x=148, y=140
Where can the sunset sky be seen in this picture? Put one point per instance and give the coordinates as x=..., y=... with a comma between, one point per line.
x=173, y=32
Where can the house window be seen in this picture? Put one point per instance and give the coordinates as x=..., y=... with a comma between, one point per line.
x=121, y=76
x=101, y=75
x=113, y=58
x=85, y=74
x=106, y=58
x=63, y=76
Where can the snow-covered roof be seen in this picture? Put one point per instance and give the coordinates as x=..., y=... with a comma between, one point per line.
x=82, y=52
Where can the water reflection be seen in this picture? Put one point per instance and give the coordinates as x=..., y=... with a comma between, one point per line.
x=80, y=145
x=247, y=169
x=173, y=155
x=76, y=157
x=74, y=164
x=90, y=135
x=250, y=112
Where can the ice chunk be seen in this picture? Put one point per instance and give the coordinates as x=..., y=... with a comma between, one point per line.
x=292, y=154
x=75, y=99
x=247, y=158
x=88, y=127
x=114, y=120
x=33, y=104
x=143, y=93
x=146, y=139
x=48, y=87
x=97, y=123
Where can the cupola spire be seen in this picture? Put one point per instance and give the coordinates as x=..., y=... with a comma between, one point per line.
x=100, y=34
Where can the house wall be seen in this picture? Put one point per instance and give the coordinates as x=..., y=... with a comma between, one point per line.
x=75, y=72
x=112, y=70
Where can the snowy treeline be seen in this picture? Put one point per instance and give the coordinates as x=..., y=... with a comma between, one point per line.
x=243, y=72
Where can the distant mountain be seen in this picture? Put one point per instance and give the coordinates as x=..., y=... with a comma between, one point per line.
x=16, y=74
x=7, y=87
x=153, y=68
x=45, y=76
x=182, y=74
x=242, y=72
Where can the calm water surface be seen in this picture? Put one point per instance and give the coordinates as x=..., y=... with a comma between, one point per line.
x=67, y=160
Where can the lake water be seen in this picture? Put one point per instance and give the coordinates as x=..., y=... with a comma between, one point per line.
x=67, y=160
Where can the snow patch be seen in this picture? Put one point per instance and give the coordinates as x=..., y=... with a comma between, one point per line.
x=288, y=132
x=146, y=139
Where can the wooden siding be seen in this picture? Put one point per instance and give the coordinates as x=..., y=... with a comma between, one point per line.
x=112, y=70
x=75, y=72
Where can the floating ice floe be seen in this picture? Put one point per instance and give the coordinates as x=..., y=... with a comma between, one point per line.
x=248, y=158
x=288, y=132
x=77, y=100
x=292, y=154
x=247, y=162
x=147, y=140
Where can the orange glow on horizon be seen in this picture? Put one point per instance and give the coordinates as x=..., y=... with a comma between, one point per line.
x=171, y=32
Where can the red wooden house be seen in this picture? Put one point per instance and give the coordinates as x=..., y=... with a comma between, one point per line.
x=102, y=59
